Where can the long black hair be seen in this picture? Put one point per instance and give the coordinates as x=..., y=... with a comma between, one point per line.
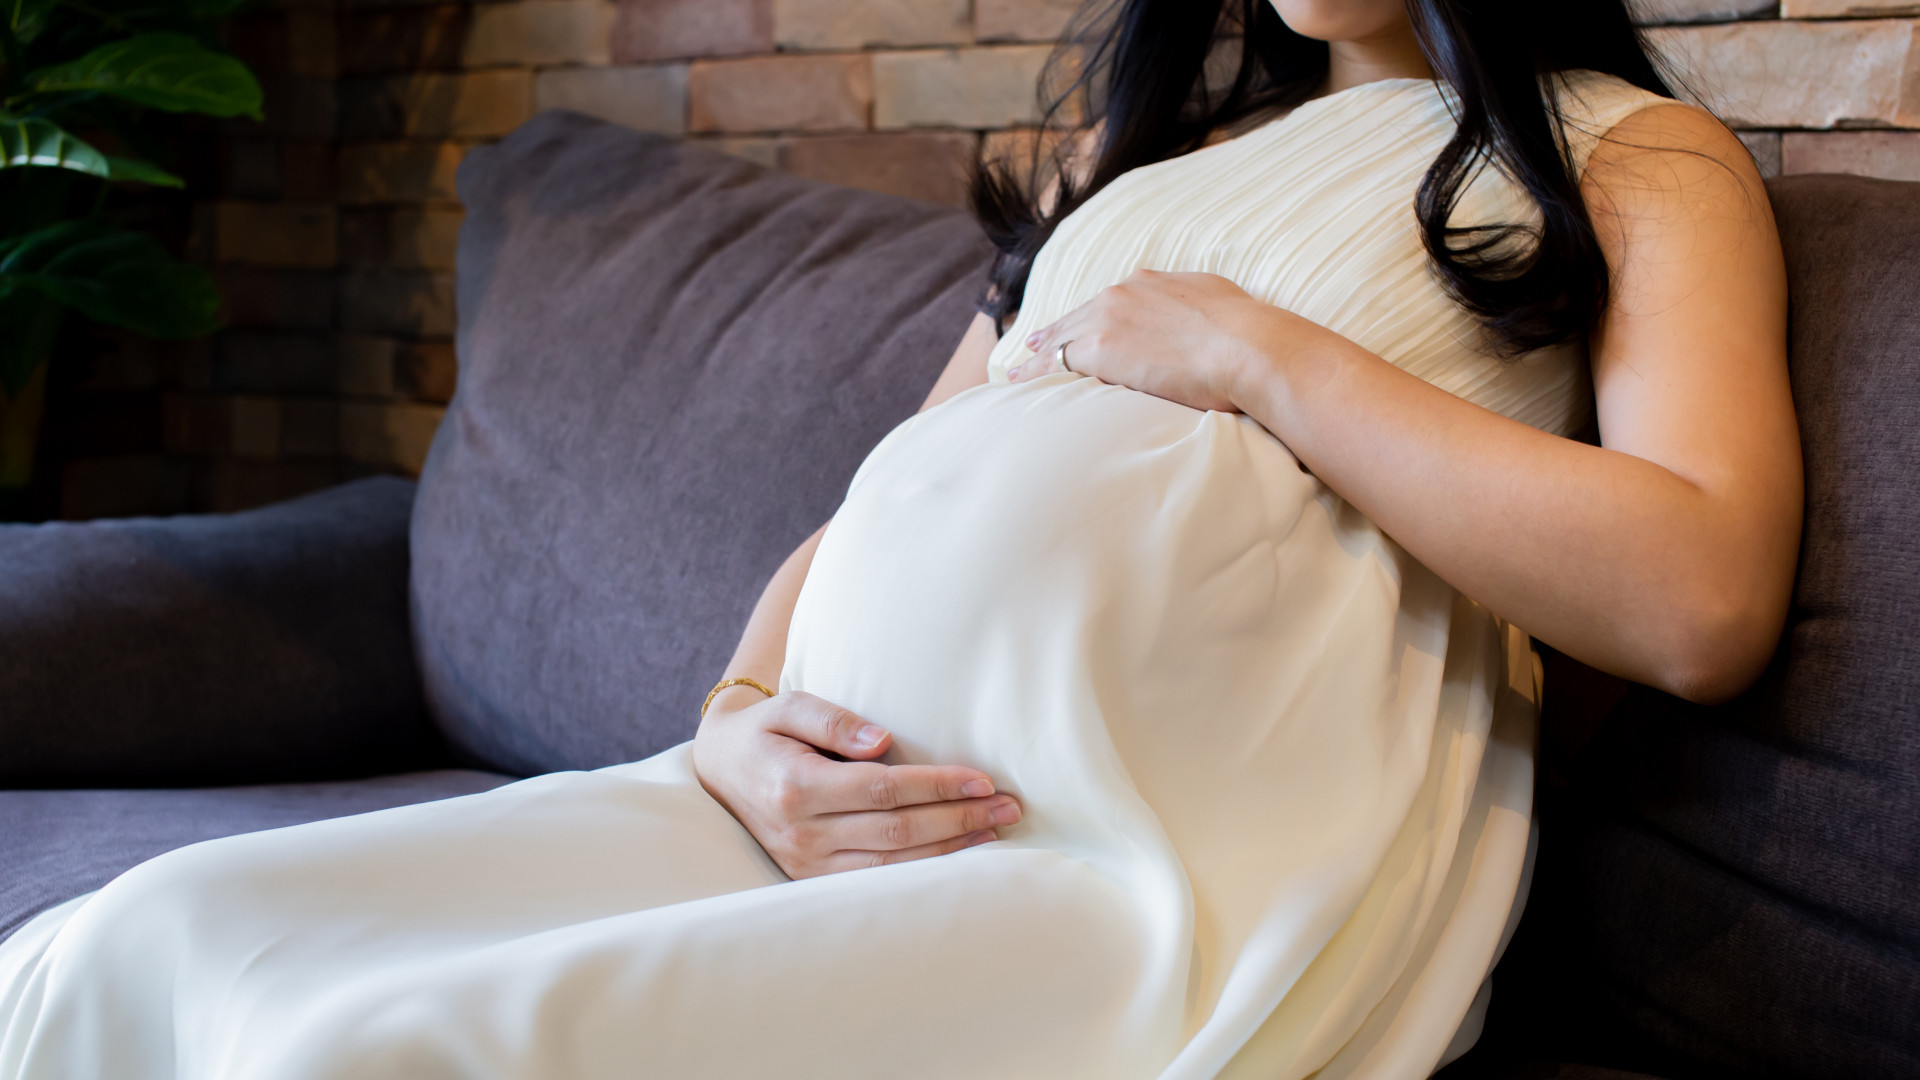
x=1153, y=71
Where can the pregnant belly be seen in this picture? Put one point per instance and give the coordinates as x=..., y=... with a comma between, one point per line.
x=1208, y=679
x=1100, y=597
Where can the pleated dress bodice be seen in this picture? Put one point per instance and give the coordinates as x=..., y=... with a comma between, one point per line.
x=1313, y=212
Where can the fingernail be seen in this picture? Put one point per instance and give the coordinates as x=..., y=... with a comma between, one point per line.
x=868, y=737
x=981, y=838
x=1006, y=813
x=974, y=789
x=1033, y=340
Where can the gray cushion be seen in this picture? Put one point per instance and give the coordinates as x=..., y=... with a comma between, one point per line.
x=1734, y=888
x=55, y=845
x=671, y=363
x=216, y=648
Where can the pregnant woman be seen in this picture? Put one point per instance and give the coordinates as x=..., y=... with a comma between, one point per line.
x=1154, y=705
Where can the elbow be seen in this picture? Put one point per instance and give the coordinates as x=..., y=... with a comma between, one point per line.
x=1721, y=645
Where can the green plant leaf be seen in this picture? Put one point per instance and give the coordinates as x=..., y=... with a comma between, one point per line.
x=33, y=141
x=113, y=276
x=164, y=71
x=141, y=172
x=25, y=17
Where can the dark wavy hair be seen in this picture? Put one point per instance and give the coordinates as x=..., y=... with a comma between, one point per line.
x=1162, y=74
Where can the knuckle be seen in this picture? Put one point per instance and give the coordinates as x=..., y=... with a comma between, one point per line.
x=884, y=792
x=787, y=796
x=835, y=720
x=896, y=831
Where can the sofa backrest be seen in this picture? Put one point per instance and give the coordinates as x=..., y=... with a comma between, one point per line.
x=671, y=362
x=1738, y=888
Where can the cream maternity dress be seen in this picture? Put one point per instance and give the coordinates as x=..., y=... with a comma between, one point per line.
x=1277, y=775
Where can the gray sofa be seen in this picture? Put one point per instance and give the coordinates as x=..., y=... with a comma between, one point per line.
x=671, y=363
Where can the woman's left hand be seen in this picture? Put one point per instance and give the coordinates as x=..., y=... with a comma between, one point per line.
x=1190, y=338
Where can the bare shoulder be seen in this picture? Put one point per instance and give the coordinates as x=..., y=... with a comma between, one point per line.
x=1675, y=198
x=1668, y=155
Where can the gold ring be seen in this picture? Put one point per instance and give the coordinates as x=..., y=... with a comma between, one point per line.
x=1060, y=354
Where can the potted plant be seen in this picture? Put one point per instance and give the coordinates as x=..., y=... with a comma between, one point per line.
x=80, y=81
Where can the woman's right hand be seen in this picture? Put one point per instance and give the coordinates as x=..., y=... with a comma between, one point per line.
x=763, y=760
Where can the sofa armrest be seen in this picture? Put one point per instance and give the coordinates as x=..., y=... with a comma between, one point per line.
x=221, y=648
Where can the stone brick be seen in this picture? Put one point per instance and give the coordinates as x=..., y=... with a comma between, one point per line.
x=415, y=238
x=288, y=42
x=275, y=234
x=363, y=365
x=392, y=434
x=313, y=46
x=403, y=39
x=307, y=171
x=250, y=168
x=1654, y=12
x=226, y=486
x=762, y=151
x=123, y=485
x=412, y=303
x=1890, y=155
x=103, y=423
x=309, y=428
x=363, y=238
x=272, y=363
x=1843, y=9
x=189, y=364
x=125, y=362
x=255, y=427
x=1021, y=20
x=972, y=88
x=919, y=165
x=356, y=5
x=399, y=172
x=1765, y=148
x=425, y=370
x=294, y=107
x=283, y=299
x=680, y=29
x=650, y=98
x=854, y=24
x=534, y=32
x=483, y=104
x=195, y=425
x=423, y=238
x=259, y=39
x=780, y=93
x=1801, y=74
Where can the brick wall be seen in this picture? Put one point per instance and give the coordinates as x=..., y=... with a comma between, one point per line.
x=334, y=222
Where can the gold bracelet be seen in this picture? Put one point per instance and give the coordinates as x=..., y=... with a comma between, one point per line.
x=724, y=683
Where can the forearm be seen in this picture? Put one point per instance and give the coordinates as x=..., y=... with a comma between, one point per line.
x=763, y=644
x=1613, y=559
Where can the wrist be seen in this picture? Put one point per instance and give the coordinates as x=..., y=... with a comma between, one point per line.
x=725, y=700
x=1257, y=372
x=1289, y=360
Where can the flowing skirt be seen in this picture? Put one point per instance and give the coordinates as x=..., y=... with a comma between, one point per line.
x=1277, y=778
